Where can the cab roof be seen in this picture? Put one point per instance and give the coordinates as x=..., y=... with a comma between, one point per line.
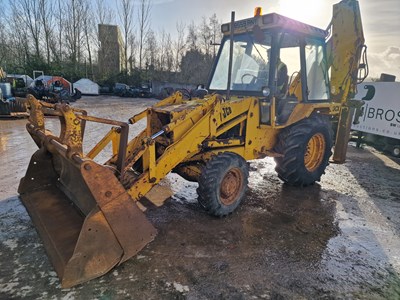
x=274, y=21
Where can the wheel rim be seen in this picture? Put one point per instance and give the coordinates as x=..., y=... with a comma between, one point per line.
x=314, y=152
x=231, y=185
x=396, y=151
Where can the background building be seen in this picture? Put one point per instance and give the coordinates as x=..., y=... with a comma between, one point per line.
x=111, y=54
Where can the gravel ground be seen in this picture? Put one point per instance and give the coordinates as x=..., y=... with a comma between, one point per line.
x=338, y=239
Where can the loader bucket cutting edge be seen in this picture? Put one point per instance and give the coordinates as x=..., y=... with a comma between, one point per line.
x=82, y=243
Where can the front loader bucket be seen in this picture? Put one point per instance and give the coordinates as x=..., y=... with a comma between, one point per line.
x=85, y=217
x=82, y=243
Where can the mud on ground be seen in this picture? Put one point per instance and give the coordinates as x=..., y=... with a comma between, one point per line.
x=337, y=239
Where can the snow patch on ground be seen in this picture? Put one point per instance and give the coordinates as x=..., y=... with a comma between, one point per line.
x=25, y=291
x=18, y=269
x=180, y=287
x=8, y=287
x=53, y=279
x=11, y=243
x=12, y=213
x=69, y=296
x=183, y=191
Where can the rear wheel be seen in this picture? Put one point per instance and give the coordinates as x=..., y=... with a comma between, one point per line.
x=223, y=184
x=306, y=148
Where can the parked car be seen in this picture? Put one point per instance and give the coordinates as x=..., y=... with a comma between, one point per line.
x=120, y=89
x=145, y=91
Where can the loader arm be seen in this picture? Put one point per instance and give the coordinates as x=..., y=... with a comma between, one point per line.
x=191, y=128
x=155, y=166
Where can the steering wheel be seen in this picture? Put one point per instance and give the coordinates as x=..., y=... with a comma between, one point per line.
x=254, y=77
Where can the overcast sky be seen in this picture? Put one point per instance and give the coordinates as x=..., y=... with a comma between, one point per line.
x=381, y=20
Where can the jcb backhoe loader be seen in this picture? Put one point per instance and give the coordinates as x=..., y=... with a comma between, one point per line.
x=90, y=216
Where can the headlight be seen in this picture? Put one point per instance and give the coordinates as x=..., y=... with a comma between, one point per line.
x=266, y=91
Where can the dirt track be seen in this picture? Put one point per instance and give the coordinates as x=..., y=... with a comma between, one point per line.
x=336, y=239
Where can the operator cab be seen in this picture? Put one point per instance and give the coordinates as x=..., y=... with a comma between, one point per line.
x=275, y=58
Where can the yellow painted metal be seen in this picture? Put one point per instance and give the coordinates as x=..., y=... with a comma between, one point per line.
x=314, y=152
x=273, y=111
x=344, y=52
x=344, y=49
x=231, y=124
x=36, y=115
x=294, y=89
x=176, y=153
x=224, y=143
x=133, y=146
x=136, y=118
x=152, y=162
x=113, y=137
x=343, y=134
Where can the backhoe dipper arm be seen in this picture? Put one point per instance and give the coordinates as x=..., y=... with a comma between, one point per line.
x=344, y=49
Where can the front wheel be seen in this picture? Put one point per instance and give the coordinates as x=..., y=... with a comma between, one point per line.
x=306, y=148
x=223, y=184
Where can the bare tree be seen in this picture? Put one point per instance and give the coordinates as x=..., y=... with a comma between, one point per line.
x=180, y=45
x=215, y=26
x=74, y=33
x=144, y=24
x=205, y=36
x=192, y=37
x=151, y=52
x=133, y=51
x=125, y=12
x=88, y=30
x=17, y=49
x=63, y=33
x=104, y=13
x=168, y=52
x=3, y=38
x=60, y=28
x=46, y=17
x=166, y=55
x=28, y=10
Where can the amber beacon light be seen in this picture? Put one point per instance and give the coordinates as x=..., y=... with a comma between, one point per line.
x=258, y=11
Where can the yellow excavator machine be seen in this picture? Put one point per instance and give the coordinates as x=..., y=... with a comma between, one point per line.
x=10, y=107
x=91, y=216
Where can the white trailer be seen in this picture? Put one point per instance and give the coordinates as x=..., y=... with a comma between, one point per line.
x=380, y=122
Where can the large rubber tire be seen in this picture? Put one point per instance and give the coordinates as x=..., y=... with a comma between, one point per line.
x=306, y=147
x=223, y=184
